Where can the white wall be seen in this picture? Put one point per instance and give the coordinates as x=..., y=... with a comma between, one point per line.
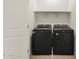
x=73, y=15
x=17, y=27
x=52, y=5
x=30, y=14
x=52, y=18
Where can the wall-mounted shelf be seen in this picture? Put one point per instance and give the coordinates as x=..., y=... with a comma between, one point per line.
x=69, y=11
x=53, y=5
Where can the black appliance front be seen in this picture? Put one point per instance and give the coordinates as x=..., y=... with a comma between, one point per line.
x=63, y=41
x=41, y=42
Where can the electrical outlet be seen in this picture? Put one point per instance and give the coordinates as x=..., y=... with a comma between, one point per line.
x=28, y=26
x=28, y=51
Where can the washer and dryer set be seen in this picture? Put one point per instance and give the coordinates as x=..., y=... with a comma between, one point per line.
x=61, y=40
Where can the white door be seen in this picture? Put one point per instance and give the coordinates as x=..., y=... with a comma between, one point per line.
x=17, y=27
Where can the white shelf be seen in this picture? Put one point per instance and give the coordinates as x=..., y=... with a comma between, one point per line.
x=69, y=11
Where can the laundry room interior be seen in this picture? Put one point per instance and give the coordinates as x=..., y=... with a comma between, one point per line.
x=39, y=29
